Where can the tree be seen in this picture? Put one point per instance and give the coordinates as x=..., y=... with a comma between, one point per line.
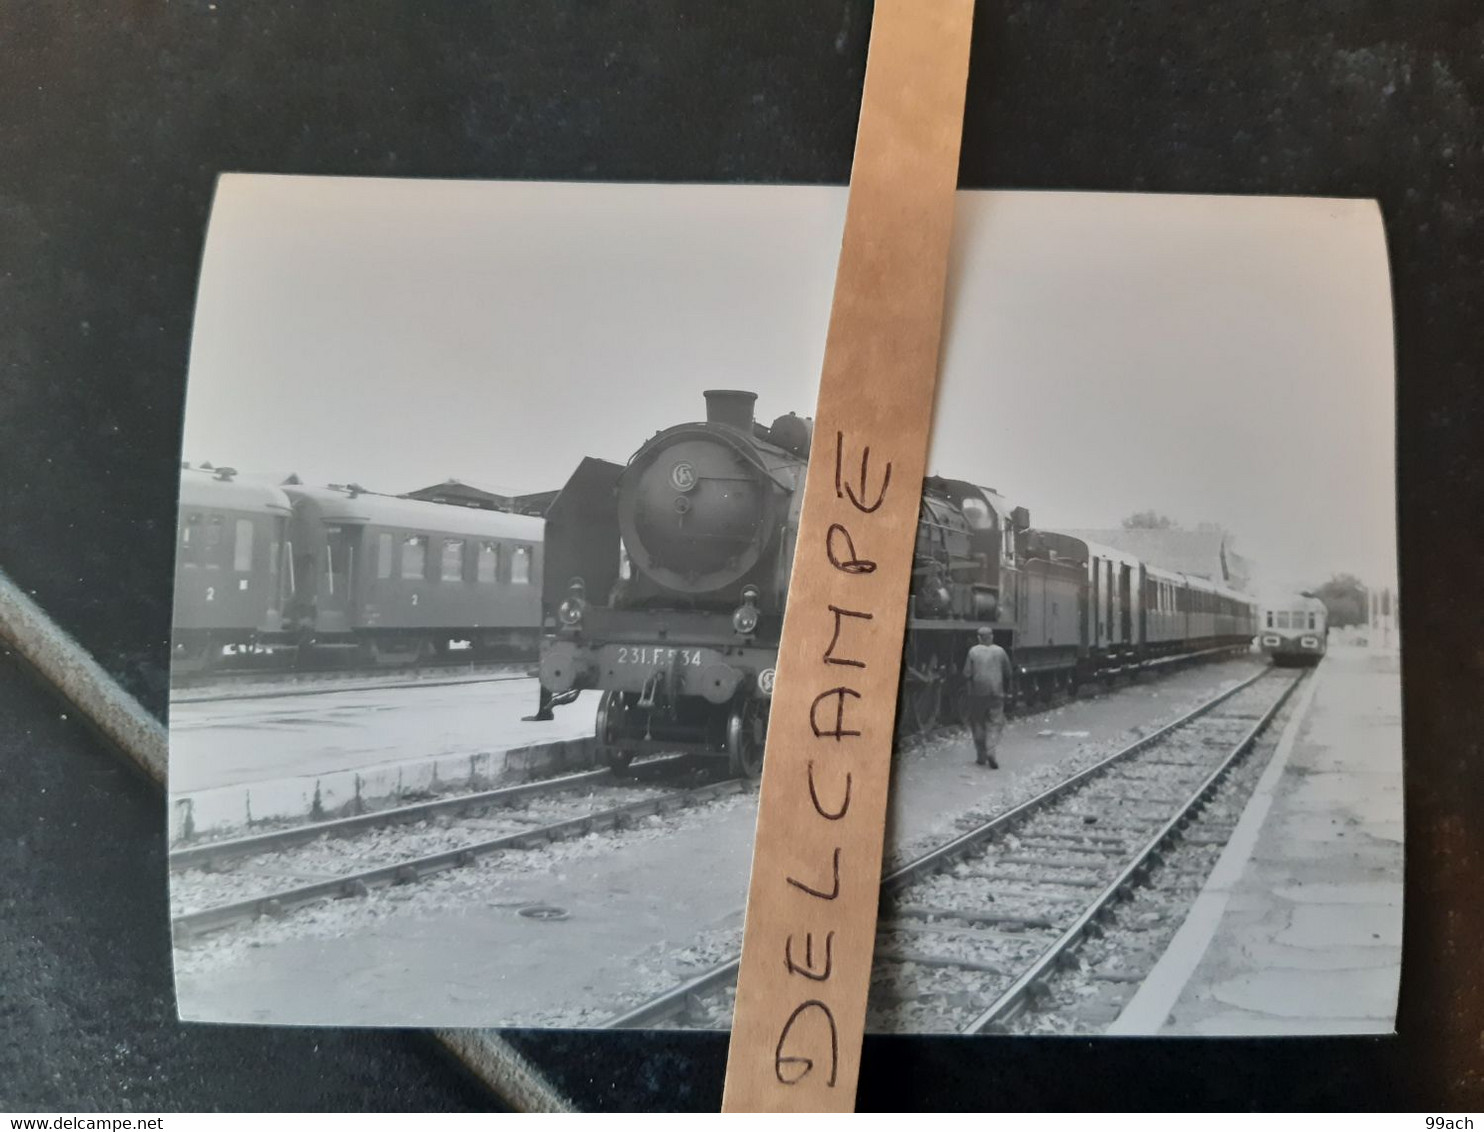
x=1150, y=521
x=1346, y=599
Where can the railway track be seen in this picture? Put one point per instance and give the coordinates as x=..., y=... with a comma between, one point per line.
x=213, y=854
x=518, y=832
x=971, y=930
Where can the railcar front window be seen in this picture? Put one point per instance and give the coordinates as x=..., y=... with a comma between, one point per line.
x=520, y=566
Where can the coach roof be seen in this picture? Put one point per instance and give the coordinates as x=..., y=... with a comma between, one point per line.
x=342, y=505
x=221, y=491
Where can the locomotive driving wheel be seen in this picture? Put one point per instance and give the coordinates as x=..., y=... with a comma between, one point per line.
x=612, y=713
x=747, y=733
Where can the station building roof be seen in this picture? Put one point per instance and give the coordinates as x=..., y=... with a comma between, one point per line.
x=461, y=493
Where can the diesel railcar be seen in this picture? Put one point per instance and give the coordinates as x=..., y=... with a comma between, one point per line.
x=1295, y=629
x=666, y=581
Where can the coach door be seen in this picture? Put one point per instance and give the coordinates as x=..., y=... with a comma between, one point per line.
x=1109, y=609
x=337, y=578
x=1131, y=590
x=1099, y=593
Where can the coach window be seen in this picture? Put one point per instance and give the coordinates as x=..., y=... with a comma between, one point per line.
x=452, y=568
x=384, y=555
x=1311, y=621
x=520, y=566
x=242, y=547
x=415, y=556
x=487, y=568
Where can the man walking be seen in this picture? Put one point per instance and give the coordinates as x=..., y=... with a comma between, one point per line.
x=987, y=673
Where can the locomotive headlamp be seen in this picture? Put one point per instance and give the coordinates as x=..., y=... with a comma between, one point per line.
x=745, y=619
x=569, y=613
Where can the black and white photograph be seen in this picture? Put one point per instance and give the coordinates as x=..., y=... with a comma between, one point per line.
x=487, y=511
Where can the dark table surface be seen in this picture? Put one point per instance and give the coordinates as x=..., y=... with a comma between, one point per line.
x=115, y=120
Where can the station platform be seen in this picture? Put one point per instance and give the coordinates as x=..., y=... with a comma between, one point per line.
x=333, y=750
x=1298, y=929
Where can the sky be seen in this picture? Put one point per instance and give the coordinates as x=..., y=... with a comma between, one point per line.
x=1215, y=359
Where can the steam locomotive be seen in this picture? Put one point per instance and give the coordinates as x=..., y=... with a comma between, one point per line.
x=665, y=583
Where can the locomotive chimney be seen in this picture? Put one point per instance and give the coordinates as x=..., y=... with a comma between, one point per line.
x=730, y=407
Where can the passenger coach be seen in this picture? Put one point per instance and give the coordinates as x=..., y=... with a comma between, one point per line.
x=266, y=570
x=400, y=579
x=231, y=579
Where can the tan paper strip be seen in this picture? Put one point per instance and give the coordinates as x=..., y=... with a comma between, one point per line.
x=816, y=870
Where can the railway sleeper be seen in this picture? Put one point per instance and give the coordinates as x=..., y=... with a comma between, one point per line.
x=1061, y=862
x=1028, y=893
x=1079, y=835
x=910, y=928
x=1120, y=976
x=1058, y=881
x=990, y=870
x=1210, y=838
x=928, y=959
x=973, y=916
x=1185, y=763
x=1073, y=844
